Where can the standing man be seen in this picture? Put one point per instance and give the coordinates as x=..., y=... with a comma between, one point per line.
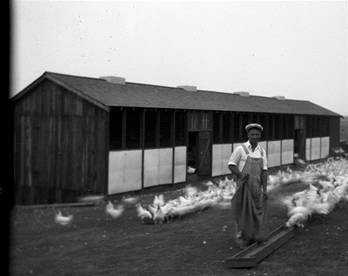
x=248, y=163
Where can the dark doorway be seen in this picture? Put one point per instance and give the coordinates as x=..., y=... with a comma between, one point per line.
x=199, y=153
x=300, y=145
x=192, y=151
x=204, y=156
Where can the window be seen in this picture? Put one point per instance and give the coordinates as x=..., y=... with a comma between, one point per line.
x=271, y=127
x=245, y=121
x=133, y=129
x=278, y=127
x=150, y=128
x=180, y=128
x=205, y=122
x=165, y=129
x=317, y=126
x=262, y=120
x=289, y=127
x=309, y=127
x=324, y=126
x=193, y=121
x=115, y=129
x=236, y=129
x=226, y=126
x=216, y=128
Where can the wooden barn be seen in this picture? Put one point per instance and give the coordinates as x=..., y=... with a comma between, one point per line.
x=77, y=135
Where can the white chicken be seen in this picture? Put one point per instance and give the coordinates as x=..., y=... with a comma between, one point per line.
x=63, y=220
x=152, y=209
x=114, y=212
x=299, y=209
x=190, y=170
x=185, y=201
x=158, y=200
x=190, y=191
x=142, y=213
x=297, y=219
x=159, y=215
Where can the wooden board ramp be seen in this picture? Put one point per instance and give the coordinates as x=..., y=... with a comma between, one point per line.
x=256, y=252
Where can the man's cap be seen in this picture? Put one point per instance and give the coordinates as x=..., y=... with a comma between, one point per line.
x=253, y=125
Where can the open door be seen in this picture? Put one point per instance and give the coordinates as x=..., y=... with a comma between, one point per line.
x=300, y=143
x=204, y=153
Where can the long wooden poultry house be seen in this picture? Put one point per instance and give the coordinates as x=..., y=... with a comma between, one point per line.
x=79, y=135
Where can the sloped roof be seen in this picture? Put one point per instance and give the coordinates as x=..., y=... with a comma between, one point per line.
x=131, y=94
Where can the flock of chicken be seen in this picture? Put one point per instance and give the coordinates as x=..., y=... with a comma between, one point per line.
x=192, y=201
x=328, y=184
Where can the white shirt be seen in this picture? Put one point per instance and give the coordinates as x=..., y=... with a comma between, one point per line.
x=239, y=156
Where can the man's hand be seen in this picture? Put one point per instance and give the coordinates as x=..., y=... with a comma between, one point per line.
x=234, y=170
x=242, y=176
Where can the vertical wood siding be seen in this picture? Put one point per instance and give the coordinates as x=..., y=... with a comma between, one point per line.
x=60, y=146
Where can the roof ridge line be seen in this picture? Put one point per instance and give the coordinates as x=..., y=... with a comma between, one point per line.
x=165, y=86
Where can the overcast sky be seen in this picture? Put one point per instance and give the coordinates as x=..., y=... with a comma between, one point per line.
x=295, y=49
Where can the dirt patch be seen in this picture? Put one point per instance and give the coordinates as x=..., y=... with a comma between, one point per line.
x=196, y=245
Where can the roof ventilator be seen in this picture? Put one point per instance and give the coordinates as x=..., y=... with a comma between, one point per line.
x=242, y=93
x=190, y=88
x=279, y=97
x=113, y=79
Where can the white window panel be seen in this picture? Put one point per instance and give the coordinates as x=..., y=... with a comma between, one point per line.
x=273, y=153
x=287, y=151
x=180, y=164
x=124, y=171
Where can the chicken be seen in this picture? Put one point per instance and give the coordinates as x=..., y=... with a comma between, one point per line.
x=180, y=211
x=190, y=170
x=63, y=220
x=158, y=201
x=114, y=212
x=299, y=209
x=185, y=201
x=159, y=215
x=297, y=219
x=322, y=208
x=152, y=209
x=190, y=191
x=142, y=213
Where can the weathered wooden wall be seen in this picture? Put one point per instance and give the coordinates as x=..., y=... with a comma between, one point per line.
x=60, y=146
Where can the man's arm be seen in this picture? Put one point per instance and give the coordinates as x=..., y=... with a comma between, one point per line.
x=235, y=171
x=234, y=160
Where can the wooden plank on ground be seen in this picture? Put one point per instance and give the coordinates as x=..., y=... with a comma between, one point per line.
x=256, y=252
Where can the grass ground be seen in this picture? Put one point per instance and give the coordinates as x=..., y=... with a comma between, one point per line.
x=94, y=244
